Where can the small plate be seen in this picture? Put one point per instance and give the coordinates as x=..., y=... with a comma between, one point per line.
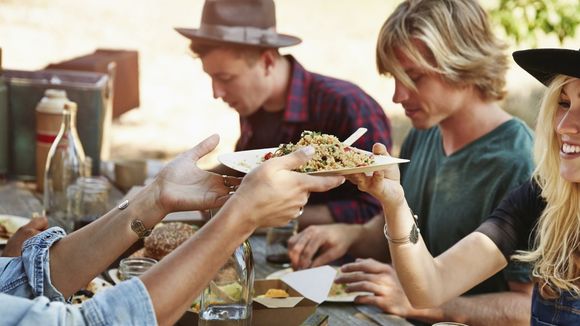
x=343, y=297
x=245, y=161
x=11, y=223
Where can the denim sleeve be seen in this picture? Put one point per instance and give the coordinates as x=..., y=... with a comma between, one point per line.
x=28, y=276
x=125, y=304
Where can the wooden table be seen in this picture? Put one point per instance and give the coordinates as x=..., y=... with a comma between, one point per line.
x=17, y=198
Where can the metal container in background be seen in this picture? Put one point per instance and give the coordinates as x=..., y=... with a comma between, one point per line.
x=3, y=130
x=91, y=91
x=3, y=125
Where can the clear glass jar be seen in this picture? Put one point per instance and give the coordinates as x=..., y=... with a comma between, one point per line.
x=91, y=200
x=133, y=267
x=64, y=165
x=228, y=298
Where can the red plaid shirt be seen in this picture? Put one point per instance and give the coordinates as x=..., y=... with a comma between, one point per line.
x=331, y=106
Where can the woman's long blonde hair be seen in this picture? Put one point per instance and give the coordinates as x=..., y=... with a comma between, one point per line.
x=557, y=239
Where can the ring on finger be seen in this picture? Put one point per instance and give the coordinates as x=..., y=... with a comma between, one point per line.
x=299, y=212
x=227, y=183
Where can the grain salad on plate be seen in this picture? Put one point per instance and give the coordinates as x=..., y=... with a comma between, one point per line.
x=330, y=153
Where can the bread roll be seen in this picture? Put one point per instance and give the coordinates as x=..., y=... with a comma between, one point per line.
x=165, y=238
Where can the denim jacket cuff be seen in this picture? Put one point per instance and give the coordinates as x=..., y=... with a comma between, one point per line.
x=35, y=258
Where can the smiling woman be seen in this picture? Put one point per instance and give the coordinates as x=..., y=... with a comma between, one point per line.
x=548, y=204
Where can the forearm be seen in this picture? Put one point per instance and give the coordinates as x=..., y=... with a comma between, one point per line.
x=315, y=215
x=419, y=275
x=504, y=308
x=370, y=241
x=430, y=282
x=192, y=265
x=76, y=259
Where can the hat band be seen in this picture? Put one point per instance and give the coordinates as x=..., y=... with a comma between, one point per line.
x=250, y=35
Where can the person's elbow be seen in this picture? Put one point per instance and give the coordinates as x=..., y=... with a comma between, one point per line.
x=422, y=297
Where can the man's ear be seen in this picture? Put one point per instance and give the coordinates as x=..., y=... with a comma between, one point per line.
x=268, y=59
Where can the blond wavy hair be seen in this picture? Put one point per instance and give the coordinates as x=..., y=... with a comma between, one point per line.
x=557, y=239
x=462, y=46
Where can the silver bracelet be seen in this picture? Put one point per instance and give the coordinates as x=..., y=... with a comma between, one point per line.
x=413, y=236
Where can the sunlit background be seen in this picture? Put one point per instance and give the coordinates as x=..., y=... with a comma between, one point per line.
x=177, y=108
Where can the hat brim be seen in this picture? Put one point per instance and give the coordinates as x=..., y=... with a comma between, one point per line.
x=282, y=40
x=545, y=64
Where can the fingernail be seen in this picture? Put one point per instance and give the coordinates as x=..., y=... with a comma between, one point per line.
x=308, y=150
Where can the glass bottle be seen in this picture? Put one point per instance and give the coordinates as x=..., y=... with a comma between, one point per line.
x=228, y=298
x=64, y=165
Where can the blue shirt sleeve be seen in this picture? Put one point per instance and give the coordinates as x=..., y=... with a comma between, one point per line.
x=28, y=276
x=27, y=297
x=125, y=304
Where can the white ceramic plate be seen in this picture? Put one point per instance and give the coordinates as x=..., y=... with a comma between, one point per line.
x=245, y=161
x=345, y=297
x=11, y=223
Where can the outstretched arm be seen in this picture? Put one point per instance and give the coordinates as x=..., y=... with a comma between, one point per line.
x=180, y=186
x=428, y=281
x=270, y=195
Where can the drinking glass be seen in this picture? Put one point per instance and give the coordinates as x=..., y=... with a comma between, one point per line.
x=277, y=243
x=133, y=267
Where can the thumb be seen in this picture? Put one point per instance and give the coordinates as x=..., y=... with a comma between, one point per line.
x=204, y=147
x=297, y=158
x=380, y=149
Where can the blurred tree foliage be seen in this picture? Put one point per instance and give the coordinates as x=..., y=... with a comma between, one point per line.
x=526, y=20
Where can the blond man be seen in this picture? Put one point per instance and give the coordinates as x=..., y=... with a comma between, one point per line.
x=466, y=153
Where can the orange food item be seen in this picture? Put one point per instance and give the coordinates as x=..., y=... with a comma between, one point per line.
x=276, y=293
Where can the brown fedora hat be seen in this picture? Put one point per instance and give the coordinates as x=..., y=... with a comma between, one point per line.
x=241, y=22
x=545, y=64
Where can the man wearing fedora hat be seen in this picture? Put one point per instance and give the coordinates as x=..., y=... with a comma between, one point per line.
x=277, y=98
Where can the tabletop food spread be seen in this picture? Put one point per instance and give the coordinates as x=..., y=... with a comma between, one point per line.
x=18, y=199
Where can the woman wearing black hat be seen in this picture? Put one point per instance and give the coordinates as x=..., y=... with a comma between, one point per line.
x=549, y=204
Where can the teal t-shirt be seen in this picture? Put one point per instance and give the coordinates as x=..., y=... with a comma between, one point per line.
x=452, y=195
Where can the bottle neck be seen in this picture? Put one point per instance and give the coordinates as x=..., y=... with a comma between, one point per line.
x=68, y=120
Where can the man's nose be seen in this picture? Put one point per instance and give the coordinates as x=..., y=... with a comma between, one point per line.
x=401, y=93
x=218, y=90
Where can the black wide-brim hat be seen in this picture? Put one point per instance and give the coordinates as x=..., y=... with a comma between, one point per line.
x=240, y=22
x=545, y=64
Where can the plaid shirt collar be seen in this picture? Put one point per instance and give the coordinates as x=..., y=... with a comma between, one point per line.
x=297, y=99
